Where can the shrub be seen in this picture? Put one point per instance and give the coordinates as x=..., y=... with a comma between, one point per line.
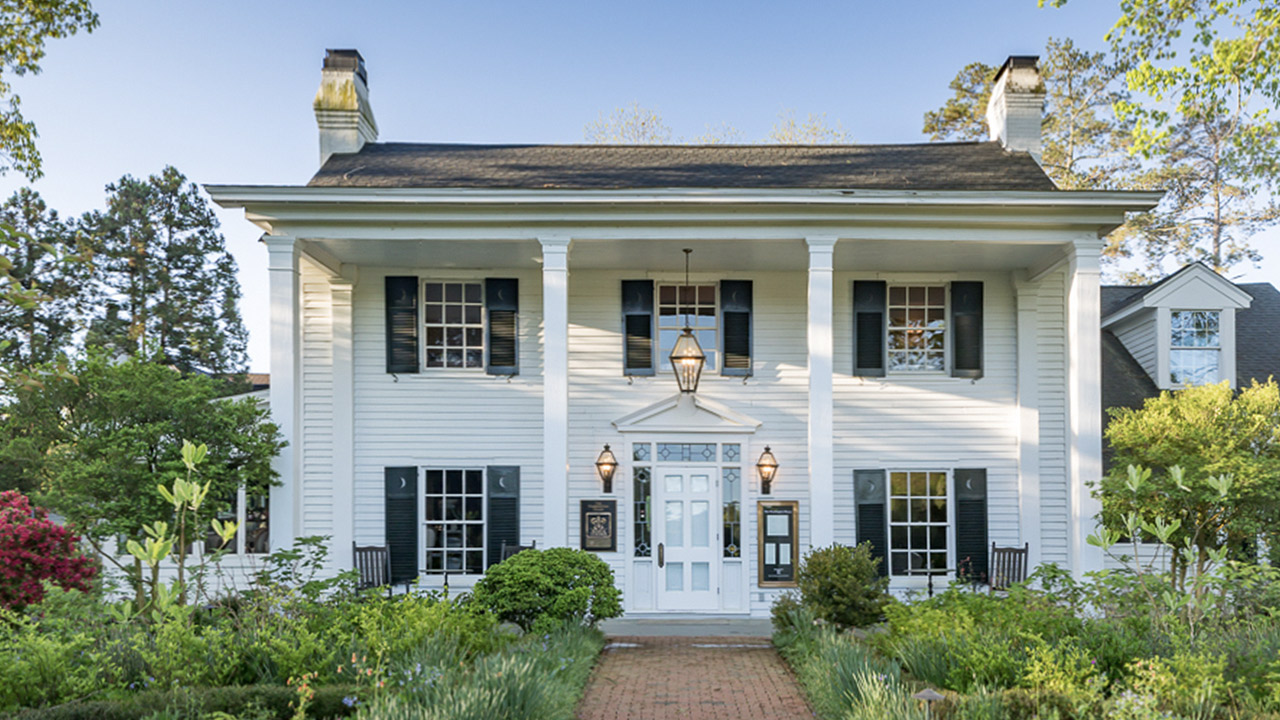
x=841, y=585
x=546, y=587
x=249, y=701
x=34, y=549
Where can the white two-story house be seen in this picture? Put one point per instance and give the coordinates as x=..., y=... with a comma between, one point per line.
x=911, y=331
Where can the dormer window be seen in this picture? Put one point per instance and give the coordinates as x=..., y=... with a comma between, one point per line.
x=1194, y=348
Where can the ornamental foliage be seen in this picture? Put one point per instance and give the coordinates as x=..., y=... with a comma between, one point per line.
x=34, y=549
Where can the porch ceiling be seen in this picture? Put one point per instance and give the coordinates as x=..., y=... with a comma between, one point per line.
x=719, y=255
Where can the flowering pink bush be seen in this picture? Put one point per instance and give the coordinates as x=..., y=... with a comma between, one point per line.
x=34, y=549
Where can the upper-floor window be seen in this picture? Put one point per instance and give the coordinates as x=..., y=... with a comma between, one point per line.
x=692, y=306
x=917, y=328
x=1194, y=347
x=453, y=320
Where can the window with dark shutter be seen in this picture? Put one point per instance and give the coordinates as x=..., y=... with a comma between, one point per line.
x=402, y=324
x=971, y=523
x=966, y=329
x=504, y=510
x=735, y=307
x=869, y=497
x=868, y=327
x=401, y=520
x=502, y=305
x=637, y=327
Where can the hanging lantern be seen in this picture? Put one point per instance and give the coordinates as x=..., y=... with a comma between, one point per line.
x=687, y=358
x=607, y=465
x=767, y=465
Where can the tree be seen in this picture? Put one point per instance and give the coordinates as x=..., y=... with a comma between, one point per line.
x=49, y=264
x=97, y=445
x=27, y=24
x=636, y=125
x=34, y=549
x=1209, y=432
x=170, y=283
x=1206, y=79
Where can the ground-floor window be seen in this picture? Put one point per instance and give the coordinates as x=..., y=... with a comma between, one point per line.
x=455, y=520
x=251, y=526
x=919, y=522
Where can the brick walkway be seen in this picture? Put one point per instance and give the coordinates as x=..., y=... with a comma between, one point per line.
x=692, y=678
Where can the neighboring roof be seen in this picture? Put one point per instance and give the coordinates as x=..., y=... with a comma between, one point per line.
x=982, y=166
x=1258, y=335
x=1115, y=297
x=259, y=381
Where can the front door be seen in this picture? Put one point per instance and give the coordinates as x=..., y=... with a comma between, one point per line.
x=686, y=538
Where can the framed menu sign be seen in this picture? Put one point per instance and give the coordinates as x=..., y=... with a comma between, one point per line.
x=778, y=530
x=599, y=522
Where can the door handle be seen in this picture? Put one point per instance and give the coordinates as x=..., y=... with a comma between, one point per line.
x=661, y=555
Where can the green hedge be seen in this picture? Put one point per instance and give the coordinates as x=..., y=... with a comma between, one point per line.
x=258, y=701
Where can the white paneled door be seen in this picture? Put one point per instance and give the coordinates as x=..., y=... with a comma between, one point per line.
x=686, y=536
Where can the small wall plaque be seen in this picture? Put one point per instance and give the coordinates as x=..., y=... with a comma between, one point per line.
x=778, y=530
x=599, y=522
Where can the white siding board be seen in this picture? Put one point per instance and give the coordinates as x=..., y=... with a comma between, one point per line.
x=1054, y=435
x=1138, y=335
x=316, y=421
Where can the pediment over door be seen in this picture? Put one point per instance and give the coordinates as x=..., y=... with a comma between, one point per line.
x=686, y=413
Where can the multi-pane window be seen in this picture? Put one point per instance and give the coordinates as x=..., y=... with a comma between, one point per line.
x=918, y=524
x=252, y=528
x=455, y=521
x=453, y=320
x=692, y=306
x=1194, y=347
x=917, y=328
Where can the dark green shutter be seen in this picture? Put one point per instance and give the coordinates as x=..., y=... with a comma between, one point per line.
x=503, y=523
x=637, y=327
x=869, y=327
x=872, y=516
x=971, y=523
x=401, y=518
x=735, y=310
x=966, y=329
x=402, y=324
x=502, y=306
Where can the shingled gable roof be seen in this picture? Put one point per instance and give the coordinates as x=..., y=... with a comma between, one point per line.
x=979, y=166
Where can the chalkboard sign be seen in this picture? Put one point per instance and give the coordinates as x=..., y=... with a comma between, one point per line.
x=778, y=529
x=599, y=523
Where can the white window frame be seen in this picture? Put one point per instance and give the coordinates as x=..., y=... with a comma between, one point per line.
x=1217, y=349
x=890, y=524
x=889, y=327
x=424, y=325
x=713, y=353
x=423, y=570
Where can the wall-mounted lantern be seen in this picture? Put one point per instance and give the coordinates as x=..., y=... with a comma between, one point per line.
x=768, y=467
x=607, y=465
x=687, y=357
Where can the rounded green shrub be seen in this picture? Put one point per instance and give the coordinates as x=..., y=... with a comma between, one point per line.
x=842, y=585
x=547, y=587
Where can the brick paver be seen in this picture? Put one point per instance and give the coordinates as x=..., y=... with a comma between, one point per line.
x=692, y=678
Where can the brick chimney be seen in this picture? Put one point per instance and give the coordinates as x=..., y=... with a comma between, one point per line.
x=342, y=107
x=1016, y=106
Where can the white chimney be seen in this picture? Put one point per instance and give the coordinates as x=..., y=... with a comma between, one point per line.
x=1016, y=106
x=342, y=105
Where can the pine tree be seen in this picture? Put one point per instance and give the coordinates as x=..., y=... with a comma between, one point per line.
x=169, y=282
x=49, y=263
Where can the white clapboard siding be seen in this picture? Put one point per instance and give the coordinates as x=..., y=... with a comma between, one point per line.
x=931, y=422
x=1138, y=335
x=1054, y=432
x=444, y=417
x=316, y=421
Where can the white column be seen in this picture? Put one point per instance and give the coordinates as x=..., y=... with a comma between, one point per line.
x=286, y=342
x=343, y=424
x=555, y=391
x=1084, y=402
x=822, y=495
x=1028, y=419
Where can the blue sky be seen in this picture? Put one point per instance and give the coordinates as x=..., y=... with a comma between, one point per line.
x=222, y=90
